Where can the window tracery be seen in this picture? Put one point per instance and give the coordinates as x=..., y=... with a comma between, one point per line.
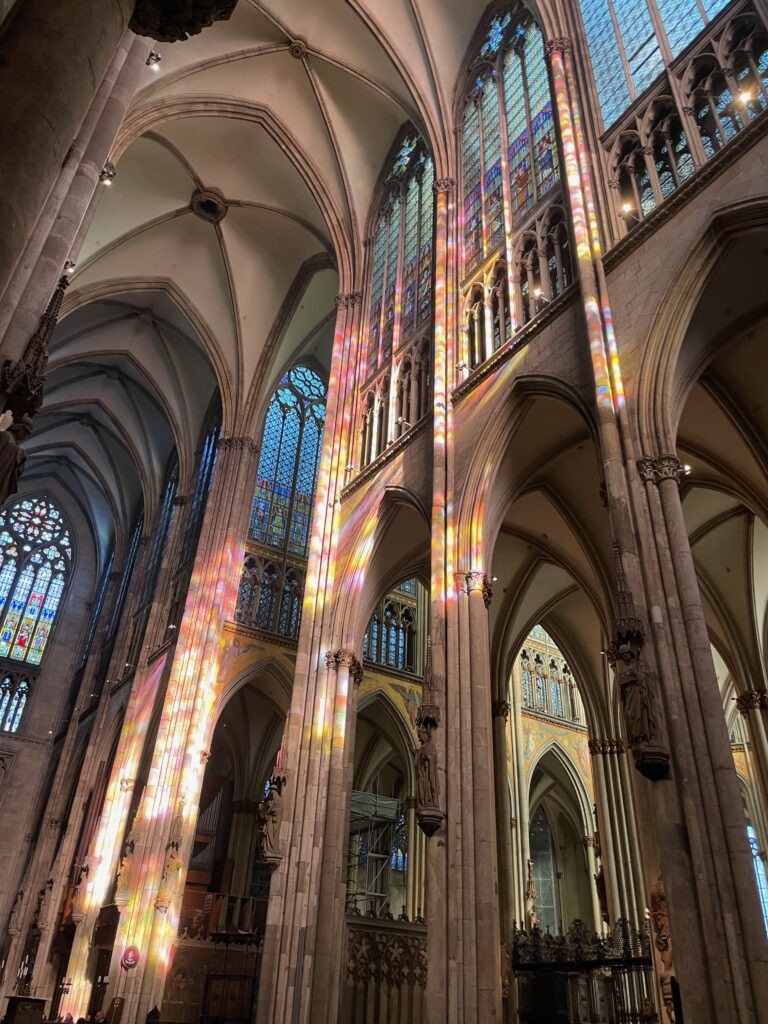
x=547, y=685
x=400, y=301
x=707, y=96
x=509, y=165
x=274, y=568
x=393, y=639
x=35, y=559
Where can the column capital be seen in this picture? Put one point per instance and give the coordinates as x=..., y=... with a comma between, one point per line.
x=561, y=44
x=751, y=701
x=475, y=580
x=500, y=709
x=344, y=658
x=346, y=299
x=655, y=468
x=444, y=185
x=238, y=444
x=606, y=746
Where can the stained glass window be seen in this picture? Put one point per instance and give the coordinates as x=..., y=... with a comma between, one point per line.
x=290, y=456
x=514, y=93
x=543, y=870
x=35, y=556
x=626, y=50
x=390, y=639
x=14, y=693
x=760, y=873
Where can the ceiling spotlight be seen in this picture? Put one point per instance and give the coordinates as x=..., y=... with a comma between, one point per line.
x=537, y=293
x=172, y=626
x=107, y=173
x=627, y=209
x=494, y=579
x=153, y=60
x=745, y=96
x=687, y=469
x=69, y=267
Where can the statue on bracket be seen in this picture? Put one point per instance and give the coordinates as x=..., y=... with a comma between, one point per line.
x=428, y=811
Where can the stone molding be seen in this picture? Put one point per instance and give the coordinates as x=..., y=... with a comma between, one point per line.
x=606, y=746
x=655, y=468
x=752, y=700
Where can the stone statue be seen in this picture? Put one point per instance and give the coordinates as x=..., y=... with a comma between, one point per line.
x=14, y=921
x=272, y=812
x=427, y=782
x=663, y=943
x=602, y=895
x=506, y=970
x=641, y=724
x=12, y=455
x=126, y=865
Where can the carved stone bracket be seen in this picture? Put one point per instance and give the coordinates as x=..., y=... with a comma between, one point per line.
x=170, y=21
x=654, y=469
x=752, y=700
x=501, y=709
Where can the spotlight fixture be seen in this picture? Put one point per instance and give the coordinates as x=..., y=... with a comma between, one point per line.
x=494, y=579
x=69, y=267
x=402, y=421
x=687, y=469
x=107, y=173
x=172, y=627
x=627, y=209
x=153, y=60
x=461, y=366
x=745, y=96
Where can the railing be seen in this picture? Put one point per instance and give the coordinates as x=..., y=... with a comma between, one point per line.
x=584, y=977
x=207, y=915
x=386, y=971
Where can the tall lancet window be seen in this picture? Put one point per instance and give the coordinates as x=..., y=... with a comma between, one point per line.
x=400, y=300
x=509, y=153
x=35, y=560
x=272, y=578
x=630, y=41
x=510, y=183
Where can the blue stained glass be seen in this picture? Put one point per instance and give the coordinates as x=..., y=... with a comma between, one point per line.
x=494, y=204
x=640, y=44
x=609, y=74
x=682, y=22
x=426, y=224
x=473, y=214
x=290, y=457
x=542, y=122
x=377, y=286
x=5, y=696
x=495, y=36
x=713, y=7
x=18, y=702
x=760, y=873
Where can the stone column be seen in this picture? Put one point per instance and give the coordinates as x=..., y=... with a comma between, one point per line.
x=500, y=710
x=69, y=209
x=54, y=59
x=152, y=875
x=317, y=743
x=472, y=761
x=412, y=873
x=753, y=706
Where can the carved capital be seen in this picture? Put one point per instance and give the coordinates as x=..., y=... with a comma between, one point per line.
x=752, y=700
x=205, y=756
x=169, y=21
x=606, y=746
x=501, y=709
x=654, y=469
x=344, y=658
x=347, y=299
x=126, y=785
x=562, y=44
x=238, y=444
x=444, y=185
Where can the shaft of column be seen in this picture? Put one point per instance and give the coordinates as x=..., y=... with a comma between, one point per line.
x=54, y=59
x=605, y=821
x=503, y=821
